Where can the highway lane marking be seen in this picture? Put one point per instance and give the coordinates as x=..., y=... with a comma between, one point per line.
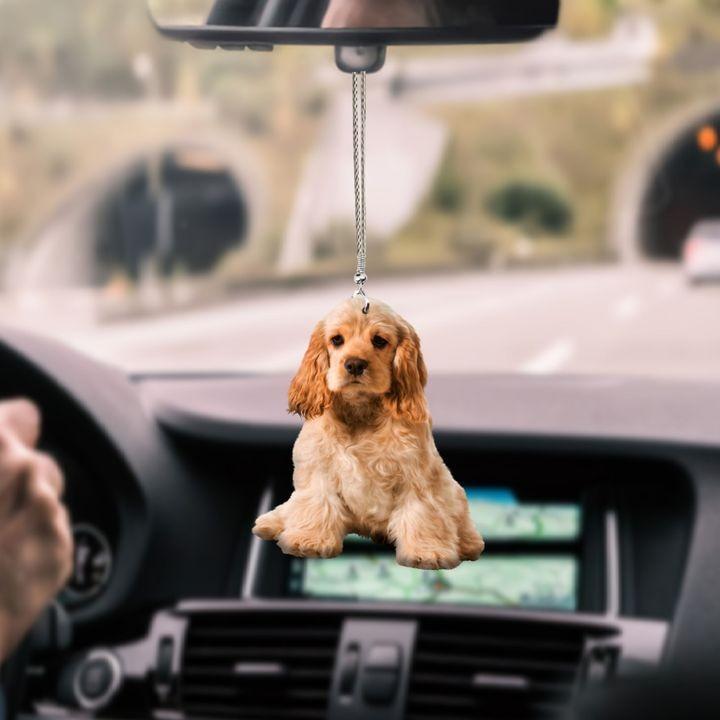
x=435, y=305
x=310, y=304
x=474, y=306
x=627, y=307
x=552, y=358
x=426, y=317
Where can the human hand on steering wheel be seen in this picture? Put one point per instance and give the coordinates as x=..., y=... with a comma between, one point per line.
x=35, y=535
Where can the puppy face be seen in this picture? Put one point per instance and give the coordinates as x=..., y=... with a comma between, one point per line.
x=359, y=357
x=361, y=349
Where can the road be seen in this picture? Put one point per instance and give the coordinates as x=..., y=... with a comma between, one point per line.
x=616, y=320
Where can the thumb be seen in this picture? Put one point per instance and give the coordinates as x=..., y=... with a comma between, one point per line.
x=22, y=418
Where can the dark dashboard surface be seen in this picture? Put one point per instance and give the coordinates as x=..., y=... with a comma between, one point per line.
x=180, y=465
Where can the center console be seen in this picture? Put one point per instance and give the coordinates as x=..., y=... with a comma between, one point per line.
x=315, y=660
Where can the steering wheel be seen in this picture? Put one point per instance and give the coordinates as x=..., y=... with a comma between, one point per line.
x=13, y=678
x=52, y=632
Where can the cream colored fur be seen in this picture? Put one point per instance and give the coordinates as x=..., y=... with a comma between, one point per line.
x=365, y=460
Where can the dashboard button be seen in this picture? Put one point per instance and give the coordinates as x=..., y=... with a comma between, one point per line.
x=95, y=678
x=381, y=675
x=164, y=666
x=349, y=669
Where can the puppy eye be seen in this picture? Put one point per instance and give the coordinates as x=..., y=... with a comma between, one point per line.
x=379, y=342
x=337, y=340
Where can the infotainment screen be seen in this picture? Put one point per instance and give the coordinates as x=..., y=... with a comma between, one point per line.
x=499, y=516
x=514, y=571
x=519, y=581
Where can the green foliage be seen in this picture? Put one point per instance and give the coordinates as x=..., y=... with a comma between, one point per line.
x=537, y=208
x=448, y=193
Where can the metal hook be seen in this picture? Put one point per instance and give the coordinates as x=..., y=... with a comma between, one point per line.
x=360, y=292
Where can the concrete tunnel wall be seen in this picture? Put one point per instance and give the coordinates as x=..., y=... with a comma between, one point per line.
x=668, y=184
x=67, y=248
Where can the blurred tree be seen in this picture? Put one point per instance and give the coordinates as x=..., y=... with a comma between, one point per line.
x=537, y=208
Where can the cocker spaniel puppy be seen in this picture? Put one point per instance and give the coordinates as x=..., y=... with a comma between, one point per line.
x=365, y=460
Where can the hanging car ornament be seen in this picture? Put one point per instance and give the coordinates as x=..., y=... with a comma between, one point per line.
x=365, y=460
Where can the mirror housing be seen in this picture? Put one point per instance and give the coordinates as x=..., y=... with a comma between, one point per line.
x=261, y=24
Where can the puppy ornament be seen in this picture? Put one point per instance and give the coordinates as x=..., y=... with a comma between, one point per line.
x=365, y=460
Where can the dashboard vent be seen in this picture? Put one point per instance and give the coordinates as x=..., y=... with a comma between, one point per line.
x=493, y=670
x=259, y=666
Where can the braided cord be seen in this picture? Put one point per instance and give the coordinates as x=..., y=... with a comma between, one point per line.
x=359, y=96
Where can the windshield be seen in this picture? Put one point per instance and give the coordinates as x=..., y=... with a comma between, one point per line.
x=164, y=208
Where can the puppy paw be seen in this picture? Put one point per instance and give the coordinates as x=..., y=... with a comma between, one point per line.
x=307, y=545
x=471, y=550
x=268, y=526
x=428, y=559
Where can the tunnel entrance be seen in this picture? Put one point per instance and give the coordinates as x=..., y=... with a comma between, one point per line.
x=180, y=209
x=685, y=188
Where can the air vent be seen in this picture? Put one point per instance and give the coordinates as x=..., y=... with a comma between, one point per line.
x=493, y=670
x=258, y=666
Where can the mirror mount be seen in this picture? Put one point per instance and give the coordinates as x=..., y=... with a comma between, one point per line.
x=359, y=58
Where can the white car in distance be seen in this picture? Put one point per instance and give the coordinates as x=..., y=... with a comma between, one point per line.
x=701, y=251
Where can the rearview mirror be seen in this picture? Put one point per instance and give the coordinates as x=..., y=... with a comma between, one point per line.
x=351, y=23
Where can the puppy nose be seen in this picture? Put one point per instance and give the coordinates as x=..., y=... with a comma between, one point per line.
x=356, y=366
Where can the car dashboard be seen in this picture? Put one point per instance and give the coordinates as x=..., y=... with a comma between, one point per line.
x=599, y=500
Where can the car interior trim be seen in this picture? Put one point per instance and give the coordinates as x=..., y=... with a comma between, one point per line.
x=253, y=562
x=612, y=564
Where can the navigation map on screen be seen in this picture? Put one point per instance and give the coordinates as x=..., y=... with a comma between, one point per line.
x=539, y=581
x=499, y=516
x=520, y=581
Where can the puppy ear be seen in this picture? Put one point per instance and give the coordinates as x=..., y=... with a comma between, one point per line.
x=309, y=395
x=406, y=399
